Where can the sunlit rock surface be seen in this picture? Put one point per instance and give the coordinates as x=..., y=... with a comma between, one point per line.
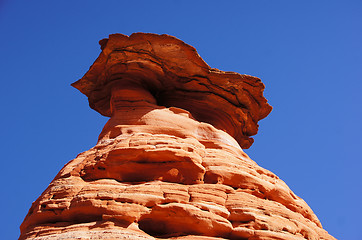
x=168, y=163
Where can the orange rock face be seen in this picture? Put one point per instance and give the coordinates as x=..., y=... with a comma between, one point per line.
x=168, y=163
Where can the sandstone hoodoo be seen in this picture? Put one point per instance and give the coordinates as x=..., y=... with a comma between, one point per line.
x=169, y=162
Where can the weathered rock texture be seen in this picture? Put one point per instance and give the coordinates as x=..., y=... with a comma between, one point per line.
x=168, y=163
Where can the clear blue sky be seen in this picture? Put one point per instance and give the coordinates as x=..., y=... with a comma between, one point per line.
x=308, y=54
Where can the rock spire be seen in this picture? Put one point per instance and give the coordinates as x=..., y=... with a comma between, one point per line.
x=169, y=162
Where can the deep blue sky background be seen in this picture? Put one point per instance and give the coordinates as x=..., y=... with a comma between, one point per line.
x=308, y=54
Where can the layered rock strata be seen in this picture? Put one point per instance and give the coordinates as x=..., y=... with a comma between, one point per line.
x=168, y=163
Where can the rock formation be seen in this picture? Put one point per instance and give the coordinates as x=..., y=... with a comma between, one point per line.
x=169, y=162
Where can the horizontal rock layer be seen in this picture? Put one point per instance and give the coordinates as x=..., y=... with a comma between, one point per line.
x=145, y=181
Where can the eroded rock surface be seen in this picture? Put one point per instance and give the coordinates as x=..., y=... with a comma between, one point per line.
x=159, y=172
x=176, y=76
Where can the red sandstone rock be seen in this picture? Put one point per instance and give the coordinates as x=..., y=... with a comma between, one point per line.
x=160, y=171
x=176, y=76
